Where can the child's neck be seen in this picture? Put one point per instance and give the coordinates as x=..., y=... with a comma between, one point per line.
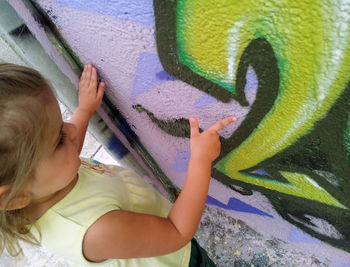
x=37, y=208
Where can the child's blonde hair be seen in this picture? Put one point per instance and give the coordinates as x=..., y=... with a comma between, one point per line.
x=23, y=116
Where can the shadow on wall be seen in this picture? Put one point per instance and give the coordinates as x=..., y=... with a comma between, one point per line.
x=294, y=144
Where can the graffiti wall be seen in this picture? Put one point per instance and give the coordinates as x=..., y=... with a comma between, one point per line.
x=292, y=145
x=281, y=67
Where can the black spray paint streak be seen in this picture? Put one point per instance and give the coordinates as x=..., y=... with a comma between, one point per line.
x=175, y=127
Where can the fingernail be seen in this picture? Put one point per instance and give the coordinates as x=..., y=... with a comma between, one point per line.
x=192, y=120
x=233, y=118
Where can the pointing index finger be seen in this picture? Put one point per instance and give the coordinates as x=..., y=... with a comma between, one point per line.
x=219, y=125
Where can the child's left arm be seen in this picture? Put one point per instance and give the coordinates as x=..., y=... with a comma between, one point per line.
x=90, y=96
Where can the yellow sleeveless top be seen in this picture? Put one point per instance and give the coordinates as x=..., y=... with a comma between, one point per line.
x=101, y=189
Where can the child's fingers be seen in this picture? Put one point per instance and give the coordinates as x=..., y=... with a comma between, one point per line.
x=88, y=73
x=93, y=81
x=219, y=125
x=194, y=127
x=100, y=90
x=83, y=79
x=83, y=75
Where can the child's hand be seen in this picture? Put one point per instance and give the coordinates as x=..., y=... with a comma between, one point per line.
x=206, y=146
x=90, y=95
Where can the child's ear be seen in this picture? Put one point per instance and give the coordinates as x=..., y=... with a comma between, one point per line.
x=18, y=202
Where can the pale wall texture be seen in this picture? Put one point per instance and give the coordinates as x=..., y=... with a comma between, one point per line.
x=281, y=67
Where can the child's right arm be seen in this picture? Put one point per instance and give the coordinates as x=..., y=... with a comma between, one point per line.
x=122, y=234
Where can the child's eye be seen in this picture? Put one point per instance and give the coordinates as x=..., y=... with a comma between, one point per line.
x=62, y=138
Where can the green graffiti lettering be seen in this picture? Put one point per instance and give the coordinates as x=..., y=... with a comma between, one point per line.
x=313, y=65
x=299, y=125
x=300, y=185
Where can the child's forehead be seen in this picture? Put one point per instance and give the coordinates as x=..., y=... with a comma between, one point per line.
x=54, y=113
x=54, y=119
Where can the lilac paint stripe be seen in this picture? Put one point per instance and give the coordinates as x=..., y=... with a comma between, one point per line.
x=236, y=204
x=261, y=172
x=252, y=80
x=298, y=236
x=181, y=161
x=164, y=76
x=205, y=101
x=134, y=10
x=251, y=85
x=149, y=73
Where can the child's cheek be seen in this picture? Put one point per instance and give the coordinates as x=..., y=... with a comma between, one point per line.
x=76, y=144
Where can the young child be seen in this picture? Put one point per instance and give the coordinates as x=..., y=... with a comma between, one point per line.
x=89, y=213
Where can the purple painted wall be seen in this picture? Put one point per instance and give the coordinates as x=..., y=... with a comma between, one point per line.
x=118, y=37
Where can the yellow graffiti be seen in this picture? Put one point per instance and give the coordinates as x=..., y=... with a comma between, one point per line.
x=312, y=45
x=300, y=185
